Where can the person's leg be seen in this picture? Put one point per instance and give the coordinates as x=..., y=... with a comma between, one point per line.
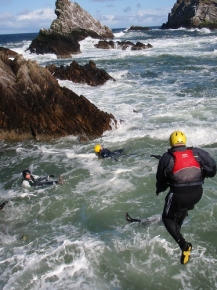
x=180, y=218
x=169, y=216
x=173, y=219
x=175, y=210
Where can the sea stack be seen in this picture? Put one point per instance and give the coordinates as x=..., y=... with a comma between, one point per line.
x=72, y=25
x=192, y=14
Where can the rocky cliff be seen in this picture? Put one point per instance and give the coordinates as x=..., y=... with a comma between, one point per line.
x=33, y=105
x=72, y=25
x=192, y=14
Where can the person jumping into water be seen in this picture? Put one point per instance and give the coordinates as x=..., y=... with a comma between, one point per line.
x=183, y=170
x=30, y=180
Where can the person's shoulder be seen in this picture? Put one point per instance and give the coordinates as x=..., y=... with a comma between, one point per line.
x=167, y=154
x=166, y=158
x=25, y=183
x=200, y=150
x=35, y=176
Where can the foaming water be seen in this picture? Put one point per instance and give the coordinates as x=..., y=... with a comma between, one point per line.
x=76, y=235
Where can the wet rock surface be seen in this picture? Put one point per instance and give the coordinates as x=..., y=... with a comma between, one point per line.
x=33, y=105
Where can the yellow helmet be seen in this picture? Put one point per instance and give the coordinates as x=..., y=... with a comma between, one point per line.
x=177, y=137
x=97, y=148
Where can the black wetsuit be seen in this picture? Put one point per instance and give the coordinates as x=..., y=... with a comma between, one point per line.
x=40, y=181
x=186, y=189
x=104, y=153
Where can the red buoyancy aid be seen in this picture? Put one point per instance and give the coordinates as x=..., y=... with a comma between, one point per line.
x=186, y=169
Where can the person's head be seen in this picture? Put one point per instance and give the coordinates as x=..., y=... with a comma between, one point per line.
x=97, y=148
x=177, y=138
x=26, y=174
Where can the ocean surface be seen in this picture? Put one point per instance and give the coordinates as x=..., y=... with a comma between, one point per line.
x=76, y=235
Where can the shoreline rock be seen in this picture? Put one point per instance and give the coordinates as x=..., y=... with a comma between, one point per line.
x=33, y=105
x=87, y=74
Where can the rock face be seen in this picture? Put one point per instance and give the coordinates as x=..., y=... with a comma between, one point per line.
x=8, y=52
x=72, y=25
x=87, y=74
x=33, y=105
x=103, y=44
x=192, y=14
x=71, y=17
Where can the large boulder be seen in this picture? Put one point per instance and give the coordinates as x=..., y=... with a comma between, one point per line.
x=192, y=14
x=72, y=25
x=33, y=105
x=87, y=74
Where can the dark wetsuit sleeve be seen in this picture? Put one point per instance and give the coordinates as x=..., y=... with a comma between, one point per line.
x=161, y=175
x=46, y=183
x=105, y=153
x=207, y=163
x=41, y=181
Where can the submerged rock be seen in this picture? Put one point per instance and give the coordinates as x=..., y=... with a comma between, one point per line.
x=72, y=25
x=87, y=74
x=33, y=105
x=192, y=14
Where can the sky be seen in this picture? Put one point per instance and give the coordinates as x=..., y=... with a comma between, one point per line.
x=27, y=16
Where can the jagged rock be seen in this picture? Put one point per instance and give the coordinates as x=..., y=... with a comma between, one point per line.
x=72, y=25
x=51, y=42
x=88, y=74
x=71, y=17
x=192, y=14
x=138, y=28
x=103, y=44
x=33, y=105
x=8, y=52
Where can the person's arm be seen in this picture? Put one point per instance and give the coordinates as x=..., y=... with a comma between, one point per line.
x=208, y=164
x=161, y=176
x=105, y=153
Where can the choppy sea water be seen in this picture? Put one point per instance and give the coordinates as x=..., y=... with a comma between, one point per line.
x=76, y=234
